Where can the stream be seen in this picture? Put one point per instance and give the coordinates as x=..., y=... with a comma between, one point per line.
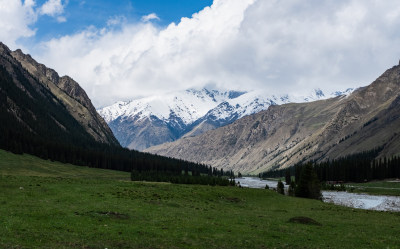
x=362, y=201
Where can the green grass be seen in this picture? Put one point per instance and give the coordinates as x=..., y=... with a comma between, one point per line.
x=387, y=187
x=27, y=165
x=88, y=208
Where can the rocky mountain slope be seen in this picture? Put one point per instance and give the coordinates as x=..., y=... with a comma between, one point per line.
x=146, y=122
x=284, y=135
x=73, y=110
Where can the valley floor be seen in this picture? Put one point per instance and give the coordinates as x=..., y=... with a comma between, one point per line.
x=50, y=205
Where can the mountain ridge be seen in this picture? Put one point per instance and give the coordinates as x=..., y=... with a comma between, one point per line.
x=68, y=91
x=284, y=135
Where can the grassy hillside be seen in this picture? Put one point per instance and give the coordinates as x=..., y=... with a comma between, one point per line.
x=27, y=165
x=50, y=205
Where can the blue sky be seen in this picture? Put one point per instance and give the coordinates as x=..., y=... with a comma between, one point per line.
x=80, y=14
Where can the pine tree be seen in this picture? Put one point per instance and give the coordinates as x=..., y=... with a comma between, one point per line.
x=288, y=177
x=280, y=188
x=308, y=185
x=292, y=189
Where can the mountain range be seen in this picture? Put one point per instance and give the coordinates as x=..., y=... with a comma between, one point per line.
x=251, y=132
x=142, y=123
x=284, y=135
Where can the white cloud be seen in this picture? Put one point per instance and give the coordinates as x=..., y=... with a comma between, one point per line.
x=52, y=8
x=117, y=20
x=61, y=19
x=149, y=17
x=18, y=17
x=280, y=46
x=15, y=20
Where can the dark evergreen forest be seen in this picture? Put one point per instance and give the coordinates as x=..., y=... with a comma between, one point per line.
x=213, y=178
x=358, y=167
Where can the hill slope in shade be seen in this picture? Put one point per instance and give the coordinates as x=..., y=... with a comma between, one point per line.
x=35, y=98
x=33, y=78
x=150, y=121
x=287, y=134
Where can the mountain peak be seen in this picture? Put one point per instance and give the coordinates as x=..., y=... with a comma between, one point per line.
x=235, y=94
x=346, y=92
x=4, y=49
x=319, y=93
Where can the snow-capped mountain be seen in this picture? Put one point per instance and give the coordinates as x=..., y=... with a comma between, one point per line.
x=188, y=105
x=142, y=123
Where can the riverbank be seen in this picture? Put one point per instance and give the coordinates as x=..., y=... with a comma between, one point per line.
x=363, y=201
x=354, y=200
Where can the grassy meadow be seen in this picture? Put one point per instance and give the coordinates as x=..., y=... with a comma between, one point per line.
x=377, y=187
x=46, y=204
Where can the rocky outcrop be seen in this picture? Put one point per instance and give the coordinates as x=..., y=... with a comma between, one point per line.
x=140, y=134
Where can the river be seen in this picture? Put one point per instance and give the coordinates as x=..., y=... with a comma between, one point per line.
x=363, y=201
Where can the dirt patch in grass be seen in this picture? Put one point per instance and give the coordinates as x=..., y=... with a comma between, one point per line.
x=280, y=211
x=304, y=220
x=115, y=215
x=233, y=199
x=110, y=214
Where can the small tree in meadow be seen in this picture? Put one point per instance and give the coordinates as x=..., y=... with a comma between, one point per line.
x=280, y=188
x=309, y=185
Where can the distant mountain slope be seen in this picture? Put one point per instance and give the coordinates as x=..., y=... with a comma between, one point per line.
x=287, y=134
x=142, y=123
x=146, y=122
x=52, y=108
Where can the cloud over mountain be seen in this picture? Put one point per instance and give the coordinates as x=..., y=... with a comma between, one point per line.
x=278, y=46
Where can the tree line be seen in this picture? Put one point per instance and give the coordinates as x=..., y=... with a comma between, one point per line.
x=359, y=167
x=182, y=178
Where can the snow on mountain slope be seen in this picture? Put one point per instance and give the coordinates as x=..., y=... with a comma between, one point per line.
x=256, y=101
x=188, y=105
x=141, y=123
